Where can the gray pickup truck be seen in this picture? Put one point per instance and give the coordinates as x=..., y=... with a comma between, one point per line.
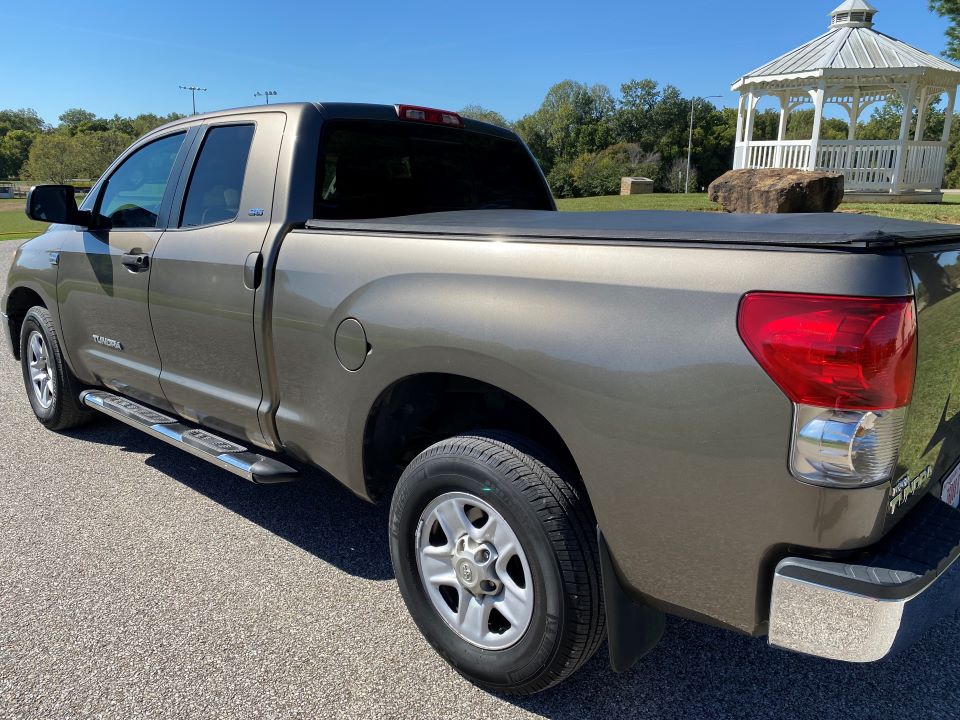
x=582, y=421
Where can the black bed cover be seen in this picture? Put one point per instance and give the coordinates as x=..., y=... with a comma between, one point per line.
x=658, y=226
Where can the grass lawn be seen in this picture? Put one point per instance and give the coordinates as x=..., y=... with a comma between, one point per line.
x=14, y=224
x=654, y=201
x=948, y=212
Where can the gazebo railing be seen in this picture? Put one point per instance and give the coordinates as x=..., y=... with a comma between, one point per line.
x=866, y=165
x=773, y=154
x=924, y=168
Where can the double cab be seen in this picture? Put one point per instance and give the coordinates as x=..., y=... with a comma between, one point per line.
x=582, y=422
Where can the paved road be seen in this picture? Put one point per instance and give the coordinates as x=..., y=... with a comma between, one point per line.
x=136, y=581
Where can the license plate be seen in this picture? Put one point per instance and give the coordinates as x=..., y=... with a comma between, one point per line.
x=951, y=488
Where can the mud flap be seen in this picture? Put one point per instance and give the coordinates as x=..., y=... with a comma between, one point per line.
x=633, y=629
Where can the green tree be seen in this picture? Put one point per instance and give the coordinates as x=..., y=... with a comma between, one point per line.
x=144, y=123
x=74, y=118
x=94, y=151
x=53, y=157
x=638, y=98
x=573, y=119
x=950, y=9
x=885, y=121
x=22, y=119
x=478, y=112
x=599, y=173
x=14, y=151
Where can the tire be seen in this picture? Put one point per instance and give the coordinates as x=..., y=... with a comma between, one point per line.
x=541, y=640
x=57, y=408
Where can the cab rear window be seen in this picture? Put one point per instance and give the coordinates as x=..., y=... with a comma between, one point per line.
x=370, y=169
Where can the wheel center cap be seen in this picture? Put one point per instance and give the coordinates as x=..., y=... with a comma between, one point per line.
x=474, y=565
x=466, y=572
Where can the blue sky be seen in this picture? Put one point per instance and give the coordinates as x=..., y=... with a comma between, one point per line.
x=113, y=57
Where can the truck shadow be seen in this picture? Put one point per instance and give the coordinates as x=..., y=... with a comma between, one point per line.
x=705, y=673
x=315, y=513
x=696, y=671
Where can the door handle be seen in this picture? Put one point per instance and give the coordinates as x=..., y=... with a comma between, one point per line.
x=136, y=261
x=253, y=270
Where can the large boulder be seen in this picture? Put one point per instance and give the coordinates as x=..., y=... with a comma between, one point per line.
x=777, y=191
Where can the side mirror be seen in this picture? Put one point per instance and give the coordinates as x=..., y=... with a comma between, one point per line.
x=55, y=204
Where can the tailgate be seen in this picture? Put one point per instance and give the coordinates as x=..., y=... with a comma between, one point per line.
x=932, y=436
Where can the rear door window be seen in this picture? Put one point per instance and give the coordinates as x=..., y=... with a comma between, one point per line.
x=213, y=194
x=381, y=169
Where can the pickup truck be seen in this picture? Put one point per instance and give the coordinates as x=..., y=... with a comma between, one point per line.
x=582, y=422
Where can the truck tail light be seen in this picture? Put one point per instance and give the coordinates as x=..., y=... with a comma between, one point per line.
x=848, y=365
x=415, y=113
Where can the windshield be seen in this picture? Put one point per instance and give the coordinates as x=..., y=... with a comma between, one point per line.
x=383, y=169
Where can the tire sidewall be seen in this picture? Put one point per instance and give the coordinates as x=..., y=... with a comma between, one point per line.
x=522, y=662
x=34, y=321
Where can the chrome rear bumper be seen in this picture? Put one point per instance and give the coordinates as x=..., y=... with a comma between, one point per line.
x=864, y=612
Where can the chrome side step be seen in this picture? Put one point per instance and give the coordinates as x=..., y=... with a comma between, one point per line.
x=214, y=449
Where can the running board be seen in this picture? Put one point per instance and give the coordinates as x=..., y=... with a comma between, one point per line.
x=214, y=449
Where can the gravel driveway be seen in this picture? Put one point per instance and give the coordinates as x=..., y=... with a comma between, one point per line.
x=136, y=581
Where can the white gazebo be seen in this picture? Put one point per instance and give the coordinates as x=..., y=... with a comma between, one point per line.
x=853, y=66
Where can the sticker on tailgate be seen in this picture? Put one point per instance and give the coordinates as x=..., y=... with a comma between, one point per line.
x=951, y=488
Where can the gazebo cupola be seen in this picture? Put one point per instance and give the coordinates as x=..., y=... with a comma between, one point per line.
x=853, y=66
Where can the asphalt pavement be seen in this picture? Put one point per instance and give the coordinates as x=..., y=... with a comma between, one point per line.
x=139, y=582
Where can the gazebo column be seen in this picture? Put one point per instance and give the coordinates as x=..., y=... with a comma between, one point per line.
x=738, y=159
x=909, y=95
x=782, y=131
x=945, y=140
x=752, y=99
x=854, y=116
x=819, y=96
x=921, y=116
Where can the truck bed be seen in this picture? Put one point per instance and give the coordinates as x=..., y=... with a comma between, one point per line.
x=627, y=226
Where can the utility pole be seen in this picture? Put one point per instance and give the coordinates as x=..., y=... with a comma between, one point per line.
x=693, y=102
x=193, y=94
x=265, y=94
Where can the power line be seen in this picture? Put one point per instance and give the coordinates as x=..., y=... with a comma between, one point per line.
x=193, y=94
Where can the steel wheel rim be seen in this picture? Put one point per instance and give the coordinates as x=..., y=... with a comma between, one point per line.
x=41, y=377
x=474, y=571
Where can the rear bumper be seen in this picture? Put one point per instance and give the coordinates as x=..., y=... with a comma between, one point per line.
x=863, y=612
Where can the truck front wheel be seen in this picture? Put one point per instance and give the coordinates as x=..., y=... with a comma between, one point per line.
x=496, y=558
x=53, y=392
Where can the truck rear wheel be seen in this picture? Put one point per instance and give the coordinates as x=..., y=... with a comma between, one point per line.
x=496, y=558
x=53, y=392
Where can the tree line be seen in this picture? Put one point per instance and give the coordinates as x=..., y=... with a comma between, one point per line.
x=81, y=145
x=585, y=137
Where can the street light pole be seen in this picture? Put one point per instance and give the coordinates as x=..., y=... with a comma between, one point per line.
x=693, y=102
x=265, y=94
x=193, y=94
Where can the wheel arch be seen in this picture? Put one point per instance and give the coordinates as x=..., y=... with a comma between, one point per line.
x=417, y=410
x=19, y=301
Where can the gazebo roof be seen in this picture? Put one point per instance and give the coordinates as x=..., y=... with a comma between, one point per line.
x=850, y=47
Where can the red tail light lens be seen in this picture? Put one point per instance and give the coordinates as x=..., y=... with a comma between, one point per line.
x=429, y=115
x=834, y=351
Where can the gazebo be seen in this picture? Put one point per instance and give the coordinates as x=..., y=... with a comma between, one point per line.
x=853, y=66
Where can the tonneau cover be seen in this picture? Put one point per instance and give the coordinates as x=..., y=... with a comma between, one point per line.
x=655, y=225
